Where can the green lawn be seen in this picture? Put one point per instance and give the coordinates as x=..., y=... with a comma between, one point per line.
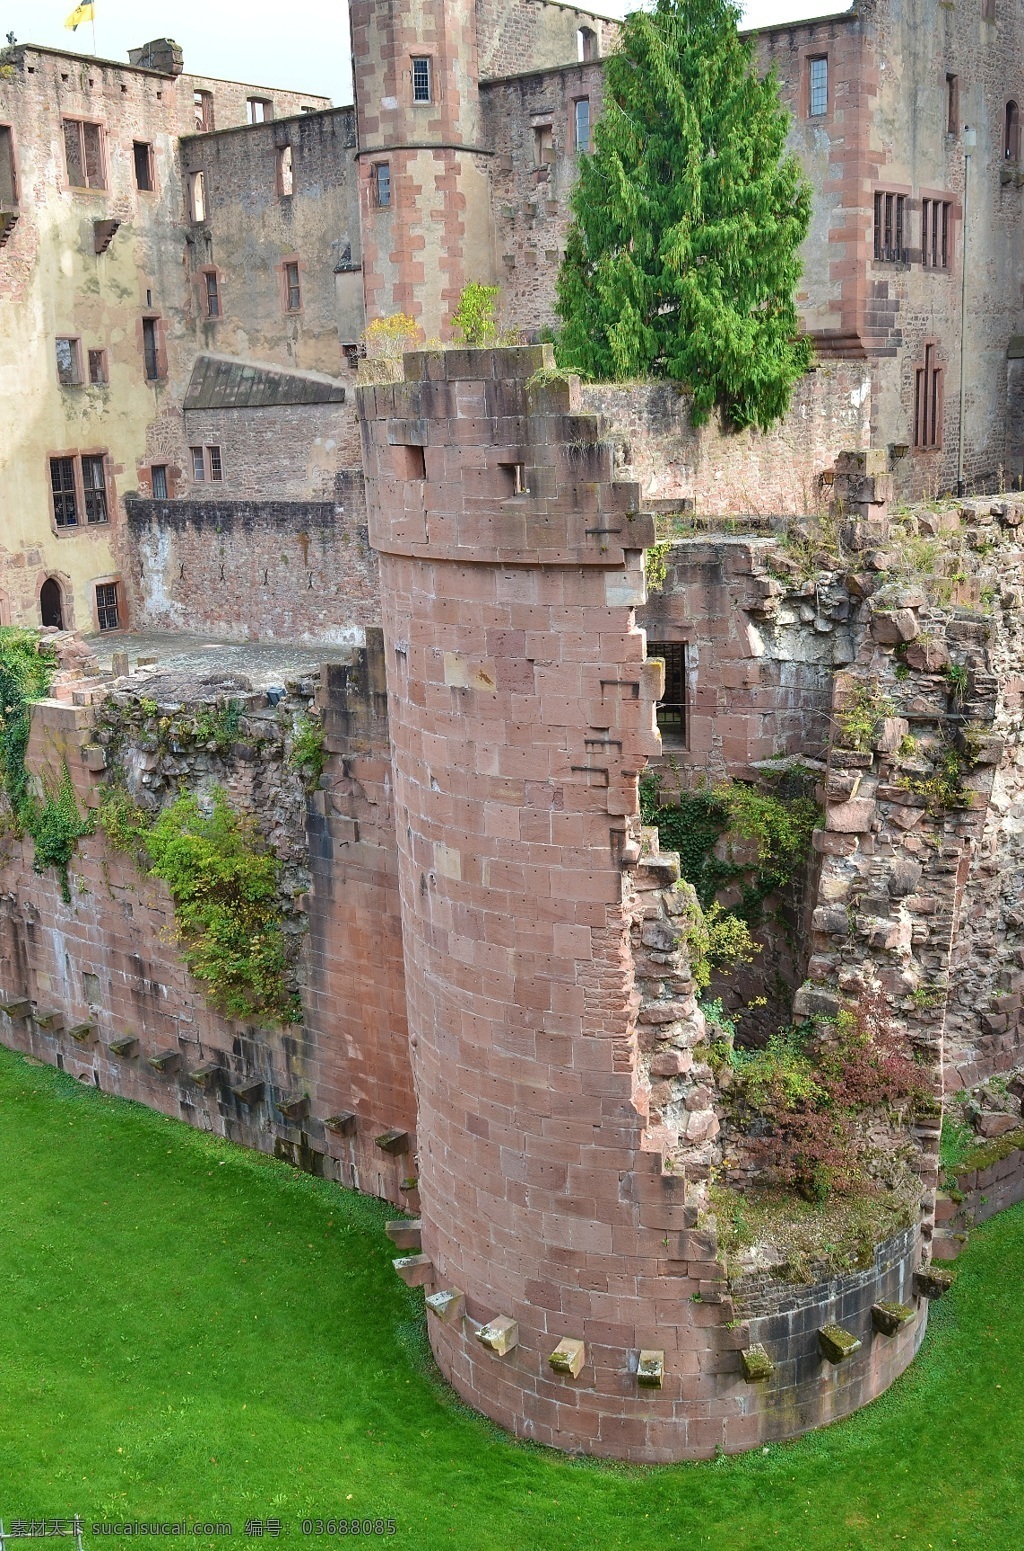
x=189, y=1331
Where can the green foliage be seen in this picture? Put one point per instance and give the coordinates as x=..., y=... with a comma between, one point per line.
x=298, y=1346
x=56, y=827
x=656, y=566
x=957, y=1142
x=476, y=318
x=125, y=824
x=682, y=258
x=308, y=755
x=958, y=680
x=782, y=1075
x=219, y=728
x=717, y=939
x=944, y=788
x=27, y=666
x=862, y=714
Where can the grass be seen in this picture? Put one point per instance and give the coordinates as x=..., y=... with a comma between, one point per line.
x=193, y=1332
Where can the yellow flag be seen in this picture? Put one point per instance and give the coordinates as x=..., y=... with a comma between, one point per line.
x=81, y=13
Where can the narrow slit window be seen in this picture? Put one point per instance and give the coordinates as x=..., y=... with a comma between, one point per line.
x=581, y=124
x=98, y=368
x=514, y=475
x=952, y=104
x=69, y=363
x=382, y=185
x=203, y=105
x=94, y=489
x=928, y=402
x=285, y=172
x=215, y=464
x=671, y=711
x=198, y=464
x=818, y=87
x=107, y=612
x=292, y=288
x=8, y=182
x=197, y=197
x=159, y=477
x=143, y=166
x=62, y=484
x=543, y=147
x=586, y=45
x=211, y=287
x=1011, y=135
x=150, y=350
x=421, y=82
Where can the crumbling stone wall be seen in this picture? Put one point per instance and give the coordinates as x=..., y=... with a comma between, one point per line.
x=239, y=570
x=518, y=35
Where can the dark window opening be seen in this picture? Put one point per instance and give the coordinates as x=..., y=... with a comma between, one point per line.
x=212, y=297
x=51, y=605
x=198, y=464
x=150, y=350
x=69, y=363
x=543, y=147
x=952, y=104
x=98, y=366
x=285, y=172
x=928, y=402
x=890, y=212
x=1011, y=133
x=581, y=123
x=62, y=483
x=935, y=233
x=259, y=110
x=143, y=166
x=292, y=288
x=159, y=475
x=514, y=475
x=382, y=185
x=672, y=707
x=818, y=87
x=8, y=184
x=84, y=154
x=421, y=91
x=197, y=197
x=586, y=44
x=412, y=462
x=203, y=102
x=94, y=488
x=106, y=606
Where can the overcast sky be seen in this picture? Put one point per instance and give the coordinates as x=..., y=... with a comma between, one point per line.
x=301, y=45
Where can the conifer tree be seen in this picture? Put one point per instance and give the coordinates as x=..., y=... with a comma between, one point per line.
x=682, y=258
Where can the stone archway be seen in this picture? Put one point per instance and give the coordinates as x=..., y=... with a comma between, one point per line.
x=51, y=604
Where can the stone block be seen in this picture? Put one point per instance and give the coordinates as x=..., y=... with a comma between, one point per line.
x=405, y=1234
x=17, y=1011
x=415, y=1270
x=344, y=1123
x=650, y=1370
x=993, y=1123
x=294, y=1106
x=49, y=1018
x=165, y=1061
x=756, y=1364
x=814, y=1001
x=394, y=1143
x=124, y=1047
x=837, y=1345
x=206, y=1075
x=568, y=1357
x=891, y=627
x=831, y=919
x=850, y=818
x=933, y=1282
x=248, y=1093
x=448, y=1306
x=500, y=1335
x=82, y=1033
x=94, y=757
x=891, y=734
x=890, y=1318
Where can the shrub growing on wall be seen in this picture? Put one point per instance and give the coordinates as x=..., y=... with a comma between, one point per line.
x=682, y=259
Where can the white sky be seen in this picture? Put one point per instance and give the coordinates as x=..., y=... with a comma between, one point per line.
x=302, y=45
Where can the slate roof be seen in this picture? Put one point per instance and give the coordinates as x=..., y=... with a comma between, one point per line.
x=218, y=383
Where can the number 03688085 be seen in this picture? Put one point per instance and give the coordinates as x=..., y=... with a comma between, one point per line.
x=348, y=1527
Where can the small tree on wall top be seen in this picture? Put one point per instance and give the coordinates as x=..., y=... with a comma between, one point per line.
x=682, y=259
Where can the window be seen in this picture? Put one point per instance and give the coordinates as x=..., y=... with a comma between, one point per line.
x=586, y=44
x=84, y=154
x=935, y=214
x=151, y=349
x=382, y=185
x=421, y=80
x=203, y=111
x=143, y=166
x=206, y=464
x=890, y=211
x=197, y=196
x=285, y=172
x=410, y=463
x=817, y=99
x=259, y=110
x=107, y=616
x=543, y=146
x=1011, y=133
x=988, y=10
x=62, y=484
x=928, y=402
x=292, y=289
x=952, y=104
x=514, y=477
x=8, y=183
x=69, y=363
x=94, y=488
x=159, y=477
x=581, y=123
x=672, y=709
x=211, y=293
x=51, y=604
x=98, y=367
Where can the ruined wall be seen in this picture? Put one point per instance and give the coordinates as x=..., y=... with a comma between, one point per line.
x=531, y=195
x=518, y=35
x=105, y=965
x=290, y=452
x=776, y=473
x=268, y=570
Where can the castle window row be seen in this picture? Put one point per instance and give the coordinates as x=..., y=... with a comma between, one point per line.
x=69, y=363
x=78, y=485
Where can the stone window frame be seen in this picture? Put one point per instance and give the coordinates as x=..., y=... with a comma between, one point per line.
x=900, y=222
x=75, y=341
x=160, y=343
x=82, y=523
x=1011, y=132
x=206, y=126
x=265, y=103
x=97, y=357
x=952, y=103
x=672, y=637
x=211, y=457
x=574, y=128
x=12, y=151
x=821, y=114
x=425, y=56
x=289, y=262
x=205, y=273
x=198, y=210
x=284, y=163
x=114, y=582
x=929, y=400
x=376, y=183
x=588, y=45
x=150, y=150
x=542, y=129
x=86, y=188
x=164, y=469
x=933, y=197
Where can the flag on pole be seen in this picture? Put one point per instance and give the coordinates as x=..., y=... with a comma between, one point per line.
x=81, y=13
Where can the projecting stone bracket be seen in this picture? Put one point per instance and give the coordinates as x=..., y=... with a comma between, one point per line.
x=393, y=1142
x=294, y=1106
x=500, y=1336
x=836, y=1345
x=568, y=1357
x=248, y=1093
x=49, y=1019
x=206, y=1075
x=448, y=1306
x=165, y=1061
x=127, y=1046
x=933, y=1282
x=756, y=1364
x=650, y=1370
x=405, y=1235
x=890, y=1318
x=344, y=1124
x=17, y=1010
x=415, y=1270
x=82, y=1033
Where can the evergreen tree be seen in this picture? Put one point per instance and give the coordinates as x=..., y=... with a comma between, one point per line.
x=682, y=258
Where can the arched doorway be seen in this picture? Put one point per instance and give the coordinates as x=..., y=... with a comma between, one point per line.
x=51, y=603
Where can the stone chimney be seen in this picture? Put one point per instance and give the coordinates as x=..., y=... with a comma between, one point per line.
x=162, y=54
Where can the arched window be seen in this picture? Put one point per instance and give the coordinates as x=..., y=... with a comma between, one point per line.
x=586, y=40
x=51, y=603
x=1011, y=137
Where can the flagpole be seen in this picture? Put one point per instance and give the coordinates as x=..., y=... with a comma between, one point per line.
x=94, y=34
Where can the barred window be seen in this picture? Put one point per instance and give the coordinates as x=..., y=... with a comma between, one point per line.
x=211, y=286
x=935, y=216
x=62, y=483
x=672, y=708
x=107, y=615
x=159, y=473
x=890, y=213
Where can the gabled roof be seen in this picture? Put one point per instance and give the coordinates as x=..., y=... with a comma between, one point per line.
x=219, y=382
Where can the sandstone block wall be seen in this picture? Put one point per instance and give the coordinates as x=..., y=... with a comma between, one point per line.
x=237, y=570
